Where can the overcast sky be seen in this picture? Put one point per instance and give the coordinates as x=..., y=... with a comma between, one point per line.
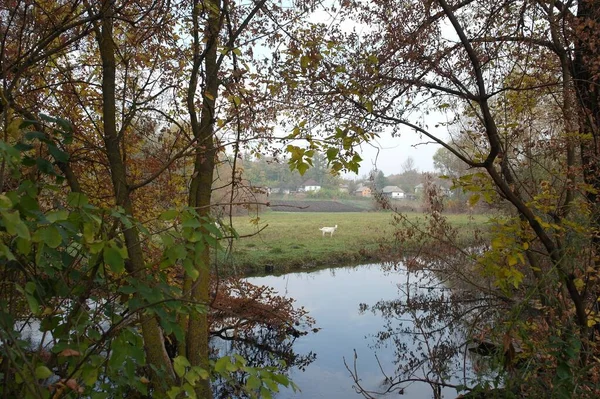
x=389, y=153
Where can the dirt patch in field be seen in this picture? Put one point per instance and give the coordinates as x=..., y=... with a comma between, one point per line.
x=312, y=206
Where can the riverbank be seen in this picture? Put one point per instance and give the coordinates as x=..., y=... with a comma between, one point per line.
x=280, y=242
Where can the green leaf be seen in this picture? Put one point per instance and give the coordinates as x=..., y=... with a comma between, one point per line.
x=221, y=364
x=89, y=232
x=14, y=225
x=189, y=390
x=96, y=247
x=203, y=374
x=253, y=382
x=167, y=239
x=240, y=359
x=563, y=371
x=168, y=215
x=65, y=125
x=57, y=216
x=5, y=202
x=49, y=235
x=24, y=246
x=33, y=135
x=33, y=303
x=332, y=153
x=58, y=154
x=281, y=379
x=213, y=229
x=192, y=376
x=127, y=289
x=42, y=372
x=192, y=223
x=114, y=259
x=180, y=363
x=272, y=385
x=90, y=376
x=265, y=393
x=77, y=199
x=45, y=166
x=173, y=393
x=302, y=168
x=190, y=270
x=177, y=252
x=5, y=252
x=231, y=367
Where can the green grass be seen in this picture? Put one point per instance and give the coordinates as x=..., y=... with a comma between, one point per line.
x=292, y=241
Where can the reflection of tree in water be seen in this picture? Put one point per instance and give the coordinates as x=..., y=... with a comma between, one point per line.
x=259, y=325
x=445, y=305
x=428, y=326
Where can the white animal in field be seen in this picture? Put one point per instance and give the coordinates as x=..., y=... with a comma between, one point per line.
x=328, y=230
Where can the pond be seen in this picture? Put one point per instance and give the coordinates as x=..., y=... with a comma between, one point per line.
x=334, y=297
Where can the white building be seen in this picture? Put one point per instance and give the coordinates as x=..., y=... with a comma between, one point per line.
x=311, y=185
x=393, y=192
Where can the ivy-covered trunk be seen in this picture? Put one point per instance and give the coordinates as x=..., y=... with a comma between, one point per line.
x=196, y=345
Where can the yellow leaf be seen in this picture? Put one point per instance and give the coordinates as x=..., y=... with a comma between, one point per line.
x=511, y=260
x=474, y=199
x=579, y=284
x=497, y=243
x=525, y=246
x=304, y=61
x=14, y=127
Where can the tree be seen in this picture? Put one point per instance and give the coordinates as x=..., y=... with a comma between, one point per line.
x=447, y=164
x=408, y=166
x=144, y=123
x=498, y=55
x=379, y=180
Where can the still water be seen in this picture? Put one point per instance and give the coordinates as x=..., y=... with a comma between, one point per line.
x=332, y=297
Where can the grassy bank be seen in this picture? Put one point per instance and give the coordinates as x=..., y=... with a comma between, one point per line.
x=292, y=241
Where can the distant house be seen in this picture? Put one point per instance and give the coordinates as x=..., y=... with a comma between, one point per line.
x=362, y=191
x=344, y=188
x=419, y=188
x=279, y=190
x=311, y=185
x=393, y=192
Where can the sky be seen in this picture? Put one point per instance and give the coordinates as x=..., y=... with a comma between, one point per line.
x=389, y=153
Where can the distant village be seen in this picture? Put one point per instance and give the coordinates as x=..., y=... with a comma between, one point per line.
x=276, y=179
x=364, y=189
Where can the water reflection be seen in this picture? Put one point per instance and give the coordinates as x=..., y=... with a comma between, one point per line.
x=334, y=297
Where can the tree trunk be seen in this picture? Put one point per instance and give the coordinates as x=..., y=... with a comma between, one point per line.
x=196, y=345
x=587, y=80
x=156, y=354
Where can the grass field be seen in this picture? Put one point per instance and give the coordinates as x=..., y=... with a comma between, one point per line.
x=292, y=241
